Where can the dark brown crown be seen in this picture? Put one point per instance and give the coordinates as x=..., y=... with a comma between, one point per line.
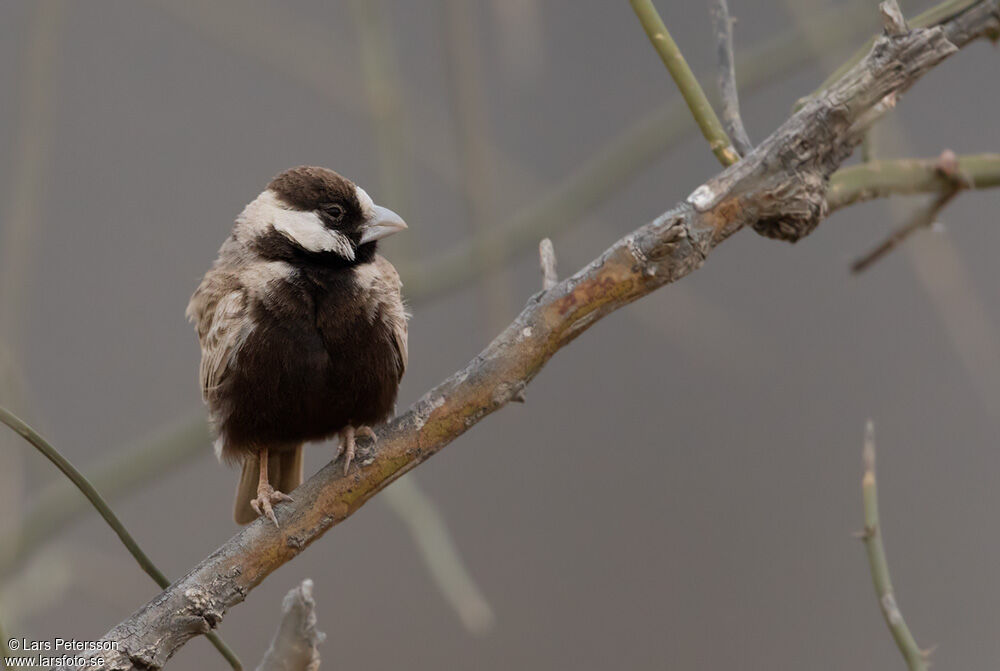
x=310, y=188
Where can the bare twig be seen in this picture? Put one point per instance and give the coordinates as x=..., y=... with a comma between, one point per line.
x=692, y=92
x=77, y=478
x=295, y=646
x=947, y=166
x=430, y=534
x=731, y=119
x=923, y=219
x=547, y=259
x=872, y=536
x=780, y=185
x=892, y=19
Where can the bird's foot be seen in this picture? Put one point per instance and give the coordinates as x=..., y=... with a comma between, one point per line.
x=348, y=442
x=267, y=495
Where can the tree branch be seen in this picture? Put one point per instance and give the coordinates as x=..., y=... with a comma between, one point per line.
x=779, y=189
x=295, y=646
x=731, y=119
x=872, y=536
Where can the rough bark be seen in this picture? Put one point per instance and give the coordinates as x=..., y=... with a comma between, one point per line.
x=779, y=189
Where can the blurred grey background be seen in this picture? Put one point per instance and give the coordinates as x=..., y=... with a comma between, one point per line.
x=679, y=490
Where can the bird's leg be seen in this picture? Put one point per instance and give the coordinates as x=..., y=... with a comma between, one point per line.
x=266, y=494
x=348, y=442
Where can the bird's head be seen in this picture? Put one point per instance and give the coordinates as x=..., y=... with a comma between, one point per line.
x=316, y=212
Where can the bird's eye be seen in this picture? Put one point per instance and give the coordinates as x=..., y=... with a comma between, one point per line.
x=335, y=212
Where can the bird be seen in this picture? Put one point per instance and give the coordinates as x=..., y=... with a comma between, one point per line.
x=303, y=331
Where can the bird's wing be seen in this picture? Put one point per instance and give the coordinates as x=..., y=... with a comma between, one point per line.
x=219, y=312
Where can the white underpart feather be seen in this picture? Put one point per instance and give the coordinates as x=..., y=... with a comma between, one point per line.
x=305, y=229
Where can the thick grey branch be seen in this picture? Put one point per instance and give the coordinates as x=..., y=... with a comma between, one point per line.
x=778, y=189
x=295, y=646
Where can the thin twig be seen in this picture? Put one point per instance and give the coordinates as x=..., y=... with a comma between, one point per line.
x=692, y=92
x=728, y=94
x=430, y=534
x=87, y=489
x=547, y=259
x=116, y=473
x=872, y=536
x=883, y=178
x=923, y=219
x=893, y=22
x=948, y=167
x=295, y=646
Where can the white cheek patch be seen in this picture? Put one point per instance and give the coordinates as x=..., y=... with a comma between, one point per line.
x=366, y=202
x=305, y=229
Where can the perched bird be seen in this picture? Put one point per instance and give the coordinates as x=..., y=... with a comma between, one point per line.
x=302, y=330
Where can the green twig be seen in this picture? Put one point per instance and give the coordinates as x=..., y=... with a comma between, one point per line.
x=114, y=474
x=879, y=179
x=692, y=92
x=872, y=536
x=84, y=485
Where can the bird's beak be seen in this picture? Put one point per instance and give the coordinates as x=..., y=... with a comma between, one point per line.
x=383, y=222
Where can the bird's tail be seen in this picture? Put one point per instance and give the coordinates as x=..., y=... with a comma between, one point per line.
x=284, y=472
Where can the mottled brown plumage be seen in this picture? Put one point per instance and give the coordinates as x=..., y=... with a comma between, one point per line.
x=302, y=328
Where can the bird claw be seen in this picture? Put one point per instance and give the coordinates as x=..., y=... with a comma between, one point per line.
x=348, y=443
x=266, y=495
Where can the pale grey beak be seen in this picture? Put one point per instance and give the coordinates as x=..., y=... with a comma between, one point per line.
x=383, y=222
